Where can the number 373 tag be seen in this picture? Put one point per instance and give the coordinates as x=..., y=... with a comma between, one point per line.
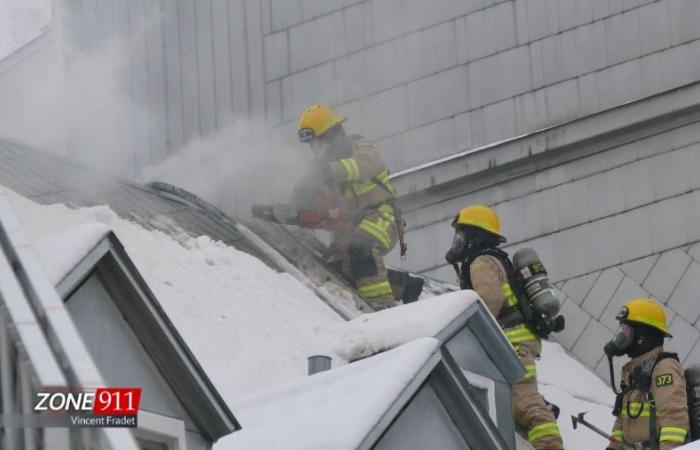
x=664, y=380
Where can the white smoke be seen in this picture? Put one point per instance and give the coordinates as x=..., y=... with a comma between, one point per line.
x=235, y=167
x=70, y=99
x=73, y=98
x=21, y=21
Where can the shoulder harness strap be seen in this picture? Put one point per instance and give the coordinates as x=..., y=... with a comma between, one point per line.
x=509, y=316
x=643, y=377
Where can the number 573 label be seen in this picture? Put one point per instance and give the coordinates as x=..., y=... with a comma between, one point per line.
x=117, y=401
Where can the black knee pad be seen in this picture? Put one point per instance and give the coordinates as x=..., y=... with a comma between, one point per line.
x=361, y=258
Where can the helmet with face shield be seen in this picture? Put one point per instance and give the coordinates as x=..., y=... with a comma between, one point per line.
x=319, y=125
x=642, y=327
x=472, y=224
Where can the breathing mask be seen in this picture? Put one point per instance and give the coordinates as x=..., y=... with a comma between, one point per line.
x=621, y=341
x=460, y=244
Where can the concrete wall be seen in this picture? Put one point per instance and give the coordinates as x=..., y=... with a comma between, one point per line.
x=615, y=225
x=186, y=67
x=424, y=80
x=427, y=79
x=25, y=94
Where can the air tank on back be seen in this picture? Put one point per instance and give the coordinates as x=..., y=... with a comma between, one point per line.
x=535, y=281
x=692, y=382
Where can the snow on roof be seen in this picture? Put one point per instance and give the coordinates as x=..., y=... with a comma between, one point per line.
x=252, y=328
x=60, y=253
x=372, y=333
x=330, y=410
x=574, y=388
x=248, y=326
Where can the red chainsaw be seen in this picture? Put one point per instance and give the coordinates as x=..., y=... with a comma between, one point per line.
x=328, y=212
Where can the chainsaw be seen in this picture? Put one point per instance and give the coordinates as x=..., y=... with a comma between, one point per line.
x=328, y=212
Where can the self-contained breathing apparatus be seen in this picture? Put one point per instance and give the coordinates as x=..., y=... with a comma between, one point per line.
x=641, y=379
x=642, y=328
x=537, y=303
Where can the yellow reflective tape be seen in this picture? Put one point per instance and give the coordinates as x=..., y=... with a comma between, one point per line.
x=348, y=168
x=387, y=211
x=383, y=177
x=530, y=371
x=351, y=167
x=508, y=294
x=520, y=334
x=672, y=434
x=377, y=232
x=370, y=185
x=543, y=430
x=375, y=290
x=366, y=187
x=634, y=408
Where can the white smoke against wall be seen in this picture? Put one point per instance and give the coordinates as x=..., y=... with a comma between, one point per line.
x=99, y=111
x=79, y=105
x=234, y=167
x=68, y=98
x=21, y=21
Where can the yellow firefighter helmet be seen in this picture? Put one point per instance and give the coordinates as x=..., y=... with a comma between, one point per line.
x=646, y=312
x=480, y=216
x=316, y=120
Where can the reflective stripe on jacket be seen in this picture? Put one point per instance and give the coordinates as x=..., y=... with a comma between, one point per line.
x=354, y=175
x=668, y=390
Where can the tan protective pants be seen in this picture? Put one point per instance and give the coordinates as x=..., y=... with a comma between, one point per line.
x=363, y=264
x=535, y=421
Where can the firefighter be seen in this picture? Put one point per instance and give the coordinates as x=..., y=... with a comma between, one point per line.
x=351, y=167
x=652, y=402
x=477, y=236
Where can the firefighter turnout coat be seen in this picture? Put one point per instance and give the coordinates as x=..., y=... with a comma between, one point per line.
x=535, y=420
x=362, y=179
x=668, y=389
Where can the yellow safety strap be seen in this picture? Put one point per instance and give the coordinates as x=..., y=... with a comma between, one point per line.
x=672, y=434
x=530, y=371
x=520, y=333
x=351, y=168
x=542, y=430
x=378, y=230
x=508, y=294
x=374, y=290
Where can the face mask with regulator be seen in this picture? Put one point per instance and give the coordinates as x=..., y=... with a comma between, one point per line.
x=619, y=344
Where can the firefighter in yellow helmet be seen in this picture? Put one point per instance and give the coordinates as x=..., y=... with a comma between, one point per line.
x=364, y=225
x=484, y=269
x=651, y=404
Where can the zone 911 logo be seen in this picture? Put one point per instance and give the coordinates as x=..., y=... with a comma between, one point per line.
x=110, y=407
